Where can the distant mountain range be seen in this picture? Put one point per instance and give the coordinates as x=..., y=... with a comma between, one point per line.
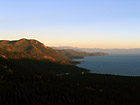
x=76, y=54
x=135, y=51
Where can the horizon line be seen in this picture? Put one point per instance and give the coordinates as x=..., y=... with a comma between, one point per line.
x=94, y=48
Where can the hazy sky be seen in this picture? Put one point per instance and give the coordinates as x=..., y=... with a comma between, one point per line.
x=79, y=23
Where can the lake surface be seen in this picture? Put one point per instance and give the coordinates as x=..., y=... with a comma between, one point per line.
x=112, y=64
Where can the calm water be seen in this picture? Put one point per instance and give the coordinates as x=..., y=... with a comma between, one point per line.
x=118, y=65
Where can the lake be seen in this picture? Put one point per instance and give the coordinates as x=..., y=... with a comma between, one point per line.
x=112, y=64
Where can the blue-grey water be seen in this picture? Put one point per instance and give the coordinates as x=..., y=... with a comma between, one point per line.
x=112, y=64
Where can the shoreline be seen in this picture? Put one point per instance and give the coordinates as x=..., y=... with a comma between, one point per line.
x=77, y=62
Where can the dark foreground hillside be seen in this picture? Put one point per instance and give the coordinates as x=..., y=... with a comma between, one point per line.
x=88, y=89
x=32, y=82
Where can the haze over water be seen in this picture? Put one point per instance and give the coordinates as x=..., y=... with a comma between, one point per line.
x=112, y=64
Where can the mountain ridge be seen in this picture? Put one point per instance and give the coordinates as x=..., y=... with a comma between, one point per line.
x=29, y=48
x=74, y=54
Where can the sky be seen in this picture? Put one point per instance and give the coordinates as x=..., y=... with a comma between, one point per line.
x=77, y=23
